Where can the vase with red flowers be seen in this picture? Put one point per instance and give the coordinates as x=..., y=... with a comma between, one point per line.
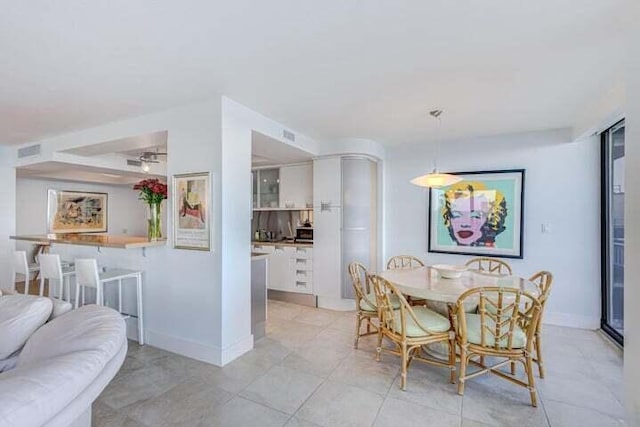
x=152, y=192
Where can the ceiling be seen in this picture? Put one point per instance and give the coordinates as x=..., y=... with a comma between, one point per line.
x=266, y=151
x=333, y=69
x=82, y=173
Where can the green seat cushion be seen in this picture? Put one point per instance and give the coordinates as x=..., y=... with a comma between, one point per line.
x=474, y=333
x=370, y=304
x=429, y=319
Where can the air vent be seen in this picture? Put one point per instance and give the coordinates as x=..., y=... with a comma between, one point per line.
x=289, y=135
x=134, y=162
x=32, y=150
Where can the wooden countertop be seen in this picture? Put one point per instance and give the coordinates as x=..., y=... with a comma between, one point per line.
x=101, y=240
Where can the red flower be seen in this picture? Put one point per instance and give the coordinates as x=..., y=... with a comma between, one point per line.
x=151, y=190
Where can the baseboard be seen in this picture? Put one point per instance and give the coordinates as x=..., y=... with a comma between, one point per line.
x=338, y=304
x=571, y=320
x=194, y=350
x=205, y=353
x=236, y=350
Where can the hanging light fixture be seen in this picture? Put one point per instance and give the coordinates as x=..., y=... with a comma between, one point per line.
x=436, y=179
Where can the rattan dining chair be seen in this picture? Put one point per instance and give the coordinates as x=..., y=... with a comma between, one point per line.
x=406, y=262
x=409, y=328
x=490, y=266
x=504, y=327
x=366, y=303
x=366, y=307
x=543, y=281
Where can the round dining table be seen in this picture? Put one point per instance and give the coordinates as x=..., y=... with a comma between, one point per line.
x=441, y=293
x=426, y=283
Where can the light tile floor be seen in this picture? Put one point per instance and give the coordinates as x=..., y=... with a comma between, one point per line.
x=306, y=373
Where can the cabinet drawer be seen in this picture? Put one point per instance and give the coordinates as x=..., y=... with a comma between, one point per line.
x=304, y=264
x=303, y=287
x=304, y=253
x=304, y=275
x=267, y=249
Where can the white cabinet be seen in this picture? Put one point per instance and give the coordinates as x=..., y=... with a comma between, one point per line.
x=282, y=268
x=304, y=270
x=296, y=186
x=327, y=182
x=345, y=224
x=326, y=251
x=290, y=268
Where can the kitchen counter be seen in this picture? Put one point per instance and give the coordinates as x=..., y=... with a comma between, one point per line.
x=100, y=240
x=282, y=243
x=258, y=255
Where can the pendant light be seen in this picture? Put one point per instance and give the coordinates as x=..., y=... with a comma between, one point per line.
x=436, y=179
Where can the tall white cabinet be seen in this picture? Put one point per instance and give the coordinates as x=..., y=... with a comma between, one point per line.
x=345, y=225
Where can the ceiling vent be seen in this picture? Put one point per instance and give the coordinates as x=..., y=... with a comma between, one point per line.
x=32, y=150
x=289, y=135
x=137, y=163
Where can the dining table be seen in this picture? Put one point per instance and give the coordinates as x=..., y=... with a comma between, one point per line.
x=442, y=293
x=427, y=283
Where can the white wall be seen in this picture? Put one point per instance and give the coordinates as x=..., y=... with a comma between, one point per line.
x=562, y=189
x=632, y=228
x=125, y=213
x=182, y=288
x=7, y=214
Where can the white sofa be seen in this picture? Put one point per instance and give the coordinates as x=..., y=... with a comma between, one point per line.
x=63, y=368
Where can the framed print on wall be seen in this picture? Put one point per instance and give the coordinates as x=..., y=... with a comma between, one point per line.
x=480, y=215
x=76, y=212
x=192, y=211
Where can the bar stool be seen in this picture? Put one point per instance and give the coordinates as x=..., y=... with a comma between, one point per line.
x=21, y=266
x=89, y=276
x=51, y=269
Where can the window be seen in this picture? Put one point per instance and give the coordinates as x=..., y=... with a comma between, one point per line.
x=613, y=231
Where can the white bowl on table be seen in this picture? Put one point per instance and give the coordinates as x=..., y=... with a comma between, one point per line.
x=449, y=271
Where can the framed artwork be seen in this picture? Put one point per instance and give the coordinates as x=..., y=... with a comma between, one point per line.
x=76, y=212
x=480, y=215
x=192, y=211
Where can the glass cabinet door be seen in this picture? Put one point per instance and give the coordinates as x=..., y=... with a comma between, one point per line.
x=254, y=188
x=269, y=188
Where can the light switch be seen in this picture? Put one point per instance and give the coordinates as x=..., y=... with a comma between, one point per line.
x=545, y=228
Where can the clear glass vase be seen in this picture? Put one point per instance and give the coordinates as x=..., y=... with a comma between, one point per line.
x=154, y=226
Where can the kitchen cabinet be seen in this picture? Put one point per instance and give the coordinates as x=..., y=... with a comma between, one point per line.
x=345, y=224
x=268, y=188
x=296, y=186
x=290, y=268
x=327, y=189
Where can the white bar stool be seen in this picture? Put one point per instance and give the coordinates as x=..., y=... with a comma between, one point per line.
x=21, y=266
x=88, y=275
x=51, y=269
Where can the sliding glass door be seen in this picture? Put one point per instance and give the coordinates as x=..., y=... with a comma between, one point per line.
x=613, y=231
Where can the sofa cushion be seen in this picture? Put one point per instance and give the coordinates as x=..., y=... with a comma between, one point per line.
x=59, y=308
x=20, y=317
x=62, y=362
x=90, y=327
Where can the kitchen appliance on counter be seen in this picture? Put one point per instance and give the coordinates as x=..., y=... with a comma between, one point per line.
x=304, y=235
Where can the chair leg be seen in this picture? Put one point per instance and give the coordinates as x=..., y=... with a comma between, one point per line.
x=513, y=367
x=463, y=370
x=403, y=374
x=357, y=337
x=41, y=287
x=530, y=380
x=452, y=360
x=538, y=345
x=379, y=347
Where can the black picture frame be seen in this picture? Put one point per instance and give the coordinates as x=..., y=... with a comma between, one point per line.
x=516, y=250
